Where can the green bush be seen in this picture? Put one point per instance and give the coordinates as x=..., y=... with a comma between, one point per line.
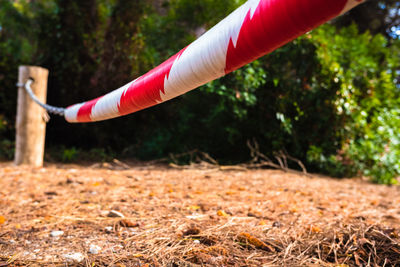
x=70, y=154
x=368, y=99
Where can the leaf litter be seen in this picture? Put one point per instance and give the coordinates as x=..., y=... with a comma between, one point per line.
x=193, y=217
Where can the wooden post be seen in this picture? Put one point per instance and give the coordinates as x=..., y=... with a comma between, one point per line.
x=30, y=122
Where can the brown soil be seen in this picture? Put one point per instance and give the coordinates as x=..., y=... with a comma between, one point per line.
x=193, y=217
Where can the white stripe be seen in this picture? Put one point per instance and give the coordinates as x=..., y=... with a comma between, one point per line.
x=71, y=113
x=205, y=59
x=107, y=106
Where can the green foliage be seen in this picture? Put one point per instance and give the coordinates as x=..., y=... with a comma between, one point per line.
x=368, y=98
x=77, y=155
x=329, y=98
x=15, y=47
x=69, y=154
x=239, y=90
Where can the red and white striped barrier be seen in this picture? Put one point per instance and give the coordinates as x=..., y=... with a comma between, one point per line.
x=256, y=28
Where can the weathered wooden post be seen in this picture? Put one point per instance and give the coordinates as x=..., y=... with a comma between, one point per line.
x=30, y=121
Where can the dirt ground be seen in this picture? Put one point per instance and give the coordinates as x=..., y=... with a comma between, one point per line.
x=68, y=215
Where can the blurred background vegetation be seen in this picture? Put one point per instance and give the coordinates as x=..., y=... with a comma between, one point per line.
x=330, y=98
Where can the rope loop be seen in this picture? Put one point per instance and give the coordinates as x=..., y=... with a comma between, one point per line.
x=50, y=109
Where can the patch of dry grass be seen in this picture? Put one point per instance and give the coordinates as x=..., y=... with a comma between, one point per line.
x=194, y=217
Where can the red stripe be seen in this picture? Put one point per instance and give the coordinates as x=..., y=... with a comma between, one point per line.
x=145, y=92
x=275, y=23
x=86, y=110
